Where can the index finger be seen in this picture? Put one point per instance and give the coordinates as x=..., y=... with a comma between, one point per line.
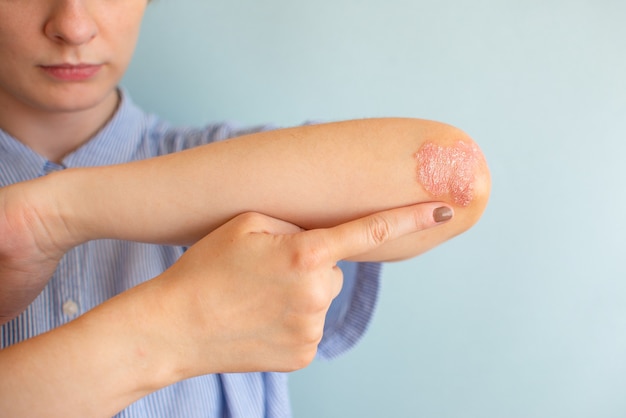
x=370, y=232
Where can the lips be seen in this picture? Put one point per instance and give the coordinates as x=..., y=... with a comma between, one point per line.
x=72, y=72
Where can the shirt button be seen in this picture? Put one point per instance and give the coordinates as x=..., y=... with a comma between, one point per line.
x=70, y=308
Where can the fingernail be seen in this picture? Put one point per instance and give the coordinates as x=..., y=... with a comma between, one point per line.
x=442, y=214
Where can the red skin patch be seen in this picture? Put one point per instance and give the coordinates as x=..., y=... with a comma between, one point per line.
x=449, y=170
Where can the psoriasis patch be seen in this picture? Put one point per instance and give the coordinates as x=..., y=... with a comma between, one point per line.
x=449, y=170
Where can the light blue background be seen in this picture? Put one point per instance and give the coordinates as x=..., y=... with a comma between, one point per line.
x=523, y=316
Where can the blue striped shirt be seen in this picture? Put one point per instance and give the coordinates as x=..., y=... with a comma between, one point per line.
x=94, y=272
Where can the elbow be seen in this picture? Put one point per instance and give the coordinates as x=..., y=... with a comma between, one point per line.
x=451, y=167
x=482, y=189
x=439, y=163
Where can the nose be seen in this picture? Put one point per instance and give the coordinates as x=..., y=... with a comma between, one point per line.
x=70, y=22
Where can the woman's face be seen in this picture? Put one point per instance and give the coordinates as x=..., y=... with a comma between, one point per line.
x=65, y=55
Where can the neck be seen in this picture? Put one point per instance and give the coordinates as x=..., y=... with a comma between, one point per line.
x=54, y=135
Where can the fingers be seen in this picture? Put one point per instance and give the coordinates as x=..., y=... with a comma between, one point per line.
x=351, y=238
x=370, y=232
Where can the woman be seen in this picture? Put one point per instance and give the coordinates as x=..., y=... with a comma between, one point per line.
x=98, y=319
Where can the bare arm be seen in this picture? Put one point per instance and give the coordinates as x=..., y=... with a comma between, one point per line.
x=314, y=176
x=250, y=296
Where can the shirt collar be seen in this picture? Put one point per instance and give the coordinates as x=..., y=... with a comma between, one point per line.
x=117, y=142
x=19, y=162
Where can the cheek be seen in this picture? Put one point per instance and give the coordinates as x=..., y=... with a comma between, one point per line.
x=121, y=27
x=449, y=171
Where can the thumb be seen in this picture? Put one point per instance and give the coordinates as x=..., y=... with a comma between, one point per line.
x=370, y=232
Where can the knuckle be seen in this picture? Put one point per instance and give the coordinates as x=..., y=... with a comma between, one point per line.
x=298, y=360
x=300, y=345
x=304, y=359
x=305, y=329
x=306, y=257
x=314, y=293
x=317, y=301
x=248, y=218
x=337, y=282
x=379, y=229
x=245, y=222
x=311, y=336
x=307, y=349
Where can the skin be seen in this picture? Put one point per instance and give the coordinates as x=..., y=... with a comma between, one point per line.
x=78, y=205
x=175, y=334
x=240, y=258
x=38, y=33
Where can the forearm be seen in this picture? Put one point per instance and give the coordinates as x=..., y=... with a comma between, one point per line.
x=314, y=176
x=251, y=296
x=91, y=367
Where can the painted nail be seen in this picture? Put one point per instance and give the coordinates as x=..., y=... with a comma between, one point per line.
x=442, y=214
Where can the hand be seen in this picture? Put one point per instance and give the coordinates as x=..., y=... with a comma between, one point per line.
x=31, y=245
x=253, y=294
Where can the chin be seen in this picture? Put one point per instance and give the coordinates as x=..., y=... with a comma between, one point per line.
x=79, y=100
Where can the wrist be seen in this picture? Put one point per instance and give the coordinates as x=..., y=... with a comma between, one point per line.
x=136, y=346
x=188, y=343
x=156, y=335
x=100, y=363
x=63, y=206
